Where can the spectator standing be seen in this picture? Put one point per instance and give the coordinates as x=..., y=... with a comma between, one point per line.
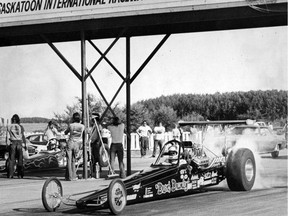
x=95, y=142
x=116, y=148
x=105, y=133
x=270, y=125
x=144, y=132
x=75, y=129
x=16, y=137
x=176, y=132
x=158, y=138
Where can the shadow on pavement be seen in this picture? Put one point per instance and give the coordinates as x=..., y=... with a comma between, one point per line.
x=281, y=157
x=88, y=211
x=59, y=173
x=30, y=210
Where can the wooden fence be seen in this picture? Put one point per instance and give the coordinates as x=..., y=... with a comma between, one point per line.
x=168, y=136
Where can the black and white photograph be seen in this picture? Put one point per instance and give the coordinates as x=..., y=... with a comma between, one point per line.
x=143, y=107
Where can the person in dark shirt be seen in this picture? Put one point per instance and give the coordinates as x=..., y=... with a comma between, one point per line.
x=95, y=143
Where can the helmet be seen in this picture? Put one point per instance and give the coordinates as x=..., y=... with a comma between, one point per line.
x=173, y=154
x=172, y=149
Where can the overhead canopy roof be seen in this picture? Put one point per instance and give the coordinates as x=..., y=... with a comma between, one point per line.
x=23, y=22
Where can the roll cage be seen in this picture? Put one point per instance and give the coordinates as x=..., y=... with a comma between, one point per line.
x=186, y=150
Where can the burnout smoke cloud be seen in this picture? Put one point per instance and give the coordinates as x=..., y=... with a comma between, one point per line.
x=214, y=140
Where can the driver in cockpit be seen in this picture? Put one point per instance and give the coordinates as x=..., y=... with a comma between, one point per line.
x=173, y=158
x=172, y=155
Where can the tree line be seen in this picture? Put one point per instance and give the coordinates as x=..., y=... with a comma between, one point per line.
x=269, y=105
x=34, y=120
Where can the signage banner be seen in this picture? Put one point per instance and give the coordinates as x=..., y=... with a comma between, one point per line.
x=22, y=12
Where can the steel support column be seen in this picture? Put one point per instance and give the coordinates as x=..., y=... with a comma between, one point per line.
x=128, y=101
x=128, y=80
x=84, y=102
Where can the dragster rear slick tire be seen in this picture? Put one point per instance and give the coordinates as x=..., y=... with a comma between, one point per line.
x=52, y=193
x=117, y=196
x=240, y=170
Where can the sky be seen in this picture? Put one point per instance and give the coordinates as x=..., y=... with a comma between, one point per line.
x=36, y=83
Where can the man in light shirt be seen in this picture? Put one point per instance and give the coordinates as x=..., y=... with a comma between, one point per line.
x=116, y=148
x=144, y=132
x=158, y=138
x=75, y=131
x=176, y=133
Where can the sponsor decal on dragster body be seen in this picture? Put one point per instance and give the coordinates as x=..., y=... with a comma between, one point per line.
x=136, y=187
x=206, y=178
x=148, y=193
x=131, y=197
x=217, y=161
x=184, y=181
x=187, y=183
x=135, y=190
x=171, y=186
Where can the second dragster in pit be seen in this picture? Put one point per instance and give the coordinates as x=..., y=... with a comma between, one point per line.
x=181, y=168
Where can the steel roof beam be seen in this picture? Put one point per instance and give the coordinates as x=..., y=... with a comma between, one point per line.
x=149, y=57
x=106, y=59
x=105, y=53
x=103, y=97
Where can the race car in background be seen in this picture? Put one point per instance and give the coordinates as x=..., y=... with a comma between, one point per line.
x=225, y=134
x=4, y=153
x=260, y=139
x=40, y=161
x=40, y=142
x=35, y=160
x=38, y=156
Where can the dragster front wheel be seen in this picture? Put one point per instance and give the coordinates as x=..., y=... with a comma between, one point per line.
x=52, y=193
x=117, y=196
